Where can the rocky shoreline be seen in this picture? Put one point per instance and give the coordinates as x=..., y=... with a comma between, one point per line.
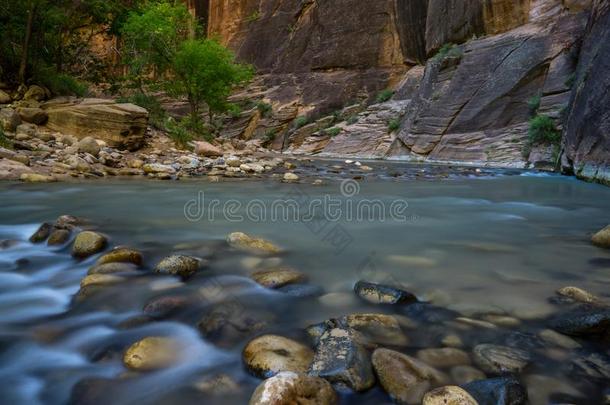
x=414, y=351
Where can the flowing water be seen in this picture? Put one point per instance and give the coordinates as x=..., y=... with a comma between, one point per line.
x=499, y=244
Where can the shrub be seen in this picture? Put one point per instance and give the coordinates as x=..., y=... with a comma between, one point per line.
x=264, y=108
x=352, y=119
x=448, y=51
x=534, y=103
x=384, y=96
x=60, y=84
x=4, y=142
x=542, y=130
x=186, y=130
x=394, y=125
x=157, y=115
x=332, y=132
x=300, y=122
x=269, y=136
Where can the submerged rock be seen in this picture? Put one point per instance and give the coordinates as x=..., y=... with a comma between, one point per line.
x=88, y=243
x=217, y=385
x=466, y=374
x=152, y=353
x=602, y=238
x=241, y=241
x=577, y=294
x=404, y=378
x=110, y=268
x=340, y=359
x=268, y=355
x=585, y=323
x=178, y=265
x=500, y=359
x=100, y=280
x=161, y=307
x=376, y=329
x=276, y=278
x=121, y=254
x=444, y=357
x=230, y=322
x=42, y=233
x=497, y=391
x=290, y=388
x=381, y=294
x=449, y=395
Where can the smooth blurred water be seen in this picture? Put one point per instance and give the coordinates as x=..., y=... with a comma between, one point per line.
x=497, y=244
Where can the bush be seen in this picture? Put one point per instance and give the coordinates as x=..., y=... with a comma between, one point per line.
x=157, y=115
x=394, y=125
x=332, y=132
x=186, y=130
x=269, y=136
x=448, y=51
x=543, y=130
x=4, y=142
x=534, y=103
x=300, y=122
x=60, y=84
x=264, y=108
x=384, y=96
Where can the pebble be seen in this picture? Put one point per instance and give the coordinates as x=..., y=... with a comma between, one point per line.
x=88, y=243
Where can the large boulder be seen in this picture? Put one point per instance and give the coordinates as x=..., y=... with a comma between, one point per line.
x=121, y=126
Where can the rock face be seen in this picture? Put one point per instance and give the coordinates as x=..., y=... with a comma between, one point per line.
x=587, y=130
x=121, y=126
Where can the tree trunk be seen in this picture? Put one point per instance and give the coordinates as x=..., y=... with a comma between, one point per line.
x=26, y=42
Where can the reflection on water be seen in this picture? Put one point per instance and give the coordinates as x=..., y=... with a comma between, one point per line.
x=499, y=245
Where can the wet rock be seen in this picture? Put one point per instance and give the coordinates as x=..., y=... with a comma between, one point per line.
x=557, y=339
x=340, y=359
x=405, y=379
x=100, y=280
x=178, y=265
x=111, y=268
x=301, y=290
x=523, y=340
x=241, y=241
x=381, y=294
x=593, y=365
x=465, y=374
x=88, y=243
x=376, y=329
x=92, y=391
x=268, y=355
x=424, y=312
x=217, y=385
x=290, y=177
x=228, y=323
x=58, y=237
x=497, y=391
x=444, y=357
x=69, y=222
x=289, y=388
x=500, y=359
x=161, y=307
x=577, y=294
x=585, y=323
x=475, y=323
x=42, y=233
x=602, y=238
x=448, y=395
x=452, y=340
x=152, y=353
x=121, y=254
x=276, y=278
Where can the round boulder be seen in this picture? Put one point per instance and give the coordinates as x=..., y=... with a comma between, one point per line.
x=152, y=353
x=496, y=359
x=268, y=355
x=111, y=268
x=178, y=265
x=277, y=278
x=290, y=388
x=88, y=145
x=42, y=233
x=449, y=395
x=88, y=243
x=58, y=237
x=241, y=241
x=121, y=255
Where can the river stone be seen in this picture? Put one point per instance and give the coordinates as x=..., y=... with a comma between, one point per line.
x=276, y=278
x=557, y=339
x=178, y=265
x=405, y=378
x=465, y=374
x=602, y=238
x=444, y=357
x=340, y=359
x=500, y=359
x=111, y=268
x=583, y=323
x=268, y=355
x=88, y=243
x=593, y=365
x=9, y=119
x=228, y=323
x=577, y=294
x=69, y=222
x=497, y=391
x=121, y=254
x=290, y=388
x=217, y=385
x=290, y=177
x=161, y=307
x=42, y=233
x=158, y=168
x=449, y=395
x=377, y=329
x=241, y=241
x=381, y=294
x=99, y=280
x=36, y=178
x=33, y=115
x=152, y=353
x=58, y=237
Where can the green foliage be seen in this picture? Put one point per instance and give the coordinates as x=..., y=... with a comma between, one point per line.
x=352, y=119
x=269, y=136
x=264, y=108
x=534, y=103
x=384, y=96
x=394, y=125
x=448, y=51
x=234, y=111
x=301, y=121
x=332, y=132
x=255, y=16
x=157, y=115
x=542, y=130
x=186, y=130
x=60, y=84
x=4, y=142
